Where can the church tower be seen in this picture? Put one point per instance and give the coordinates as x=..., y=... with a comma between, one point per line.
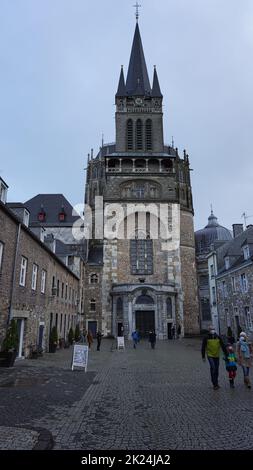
x=141, y=275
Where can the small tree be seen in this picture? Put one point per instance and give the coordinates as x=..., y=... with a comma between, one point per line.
x=10, y=342
x=77, y=333
x=71, y=336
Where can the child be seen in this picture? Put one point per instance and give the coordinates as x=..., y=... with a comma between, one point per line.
x=231, y=367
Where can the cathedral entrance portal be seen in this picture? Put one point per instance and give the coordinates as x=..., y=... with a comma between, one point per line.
x=144, y=321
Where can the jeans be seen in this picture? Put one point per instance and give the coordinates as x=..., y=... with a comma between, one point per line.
x=214, y=369
x=245, y=371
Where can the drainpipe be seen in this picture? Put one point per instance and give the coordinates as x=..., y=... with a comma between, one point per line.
x=14, y=274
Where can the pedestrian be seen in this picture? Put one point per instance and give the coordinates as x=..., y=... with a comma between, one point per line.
x=230, y=336
x=89, y=339
x=99, y=338
x=245, y=356
x=230, y=363
x=179, y=331
x=211, y=346
x=135, y=338
x=173, y=332
x=82, y=338
x=152, y=339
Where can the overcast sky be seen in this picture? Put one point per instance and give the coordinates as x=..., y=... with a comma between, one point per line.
x=60, y=64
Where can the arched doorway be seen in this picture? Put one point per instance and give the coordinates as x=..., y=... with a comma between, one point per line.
x=145, y=315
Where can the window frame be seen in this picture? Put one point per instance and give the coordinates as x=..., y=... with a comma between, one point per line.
x=43, y=281
x=35, y=270
x=23, y=271
x=1, y=255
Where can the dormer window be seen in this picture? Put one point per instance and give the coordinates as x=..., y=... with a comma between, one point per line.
x=246, y=252
x=42, y=215
x=62, y=215
x=227, y=263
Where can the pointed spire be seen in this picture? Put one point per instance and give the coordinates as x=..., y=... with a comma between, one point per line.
x=137, y=82
x=156, y=90
x=121, y=87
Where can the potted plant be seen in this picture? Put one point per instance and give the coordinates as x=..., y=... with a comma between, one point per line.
x=77, y=333
x=10, y=346
x=53, y=340
x=71, y=336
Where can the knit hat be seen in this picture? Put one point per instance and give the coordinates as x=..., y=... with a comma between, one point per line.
x=242, y=333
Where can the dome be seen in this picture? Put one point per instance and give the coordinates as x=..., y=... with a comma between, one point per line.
x=212, y=231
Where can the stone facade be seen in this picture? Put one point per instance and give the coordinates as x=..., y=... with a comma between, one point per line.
x=37, y=308
x=148, y=271
x=235, y=303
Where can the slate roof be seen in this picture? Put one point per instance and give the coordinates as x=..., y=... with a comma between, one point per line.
x=137, y=82
x=233, y=250
x=52, y=205
x=122, y=86
x=110, y=150
x=156, y=90
x=205, y=237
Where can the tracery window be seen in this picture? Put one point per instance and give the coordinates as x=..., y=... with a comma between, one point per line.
x=149, y=143
x=139, y=135
x=130, y=140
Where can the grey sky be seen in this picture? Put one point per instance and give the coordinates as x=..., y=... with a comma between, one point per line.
x=60, y=64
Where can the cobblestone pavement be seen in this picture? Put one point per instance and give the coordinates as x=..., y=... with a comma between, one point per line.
x=134, y=399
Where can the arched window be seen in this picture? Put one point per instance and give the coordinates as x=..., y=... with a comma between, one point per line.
x=169, y=307
x=139, y=136
x=92, y=305
x=130, y=138
x=149, y=143
x=95, y=173
x=93, y=278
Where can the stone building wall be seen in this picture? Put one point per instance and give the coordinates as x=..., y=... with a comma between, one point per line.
x=233, y=303
x=32, y=306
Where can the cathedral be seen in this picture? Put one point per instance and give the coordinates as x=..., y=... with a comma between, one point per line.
x=140, y=272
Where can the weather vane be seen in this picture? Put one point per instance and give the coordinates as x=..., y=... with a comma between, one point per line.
x=137, y=6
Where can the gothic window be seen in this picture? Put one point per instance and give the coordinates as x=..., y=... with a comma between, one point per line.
x=141, y=256
x=93, y=305
x=130, y=140
x=95, y=173
x=139, y=192
x=94, y=279
x=119, y=307
x=139, y=136
x=169, y=307
x=149, y=134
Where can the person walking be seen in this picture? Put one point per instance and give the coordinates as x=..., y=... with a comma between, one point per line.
x=135, y=338
x=152, y=339
x=99, y=338
x=245, y=356
x=89, y=339
x=230, y=363
x=211, y=346
x=179, y=331
x=173, y=332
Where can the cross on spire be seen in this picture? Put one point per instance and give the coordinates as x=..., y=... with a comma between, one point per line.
x=137, y=14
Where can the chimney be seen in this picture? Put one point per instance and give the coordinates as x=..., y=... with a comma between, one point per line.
x=237, y=229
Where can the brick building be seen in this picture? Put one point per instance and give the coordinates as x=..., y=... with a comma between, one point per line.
x=36, y=287
x=212, y=233
x=143, y=275
x=233, y=264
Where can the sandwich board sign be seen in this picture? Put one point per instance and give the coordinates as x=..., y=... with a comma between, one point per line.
x=120, y=342
x=80, y=356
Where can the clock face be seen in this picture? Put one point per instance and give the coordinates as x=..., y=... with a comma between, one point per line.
x=138, y=101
